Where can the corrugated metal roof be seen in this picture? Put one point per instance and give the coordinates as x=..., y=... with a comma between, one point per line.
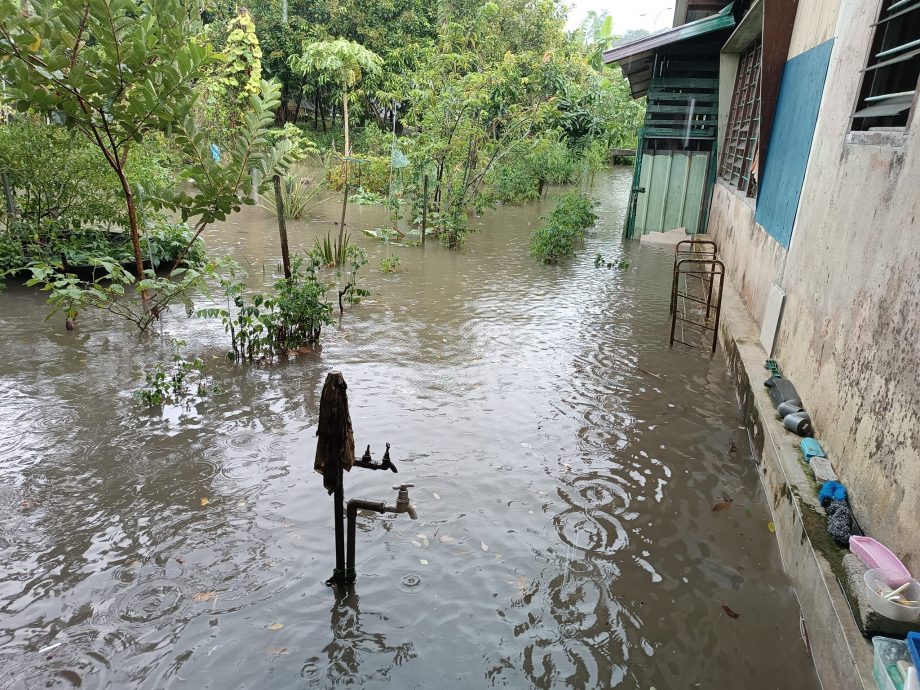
x=635, y=58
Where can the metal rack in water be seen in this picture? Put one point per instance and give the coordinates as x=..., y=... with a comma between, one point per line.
x=693, y=284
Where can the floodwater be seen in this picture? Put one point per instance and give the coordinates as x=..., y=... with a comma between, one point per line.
x=589, y=515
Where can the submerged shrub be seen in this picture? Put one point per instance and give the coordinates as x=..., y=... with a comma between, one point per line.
x=564, y=229
x=389, y=264
x=263, y=326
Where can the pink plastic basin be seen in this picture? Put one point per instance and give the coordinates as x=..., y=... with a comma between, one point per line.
x=876, y=556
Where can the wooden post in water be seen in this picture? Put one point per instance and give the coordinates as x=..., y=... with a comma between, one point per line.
x=282, y=226
x=335, y=452
x=424, y=207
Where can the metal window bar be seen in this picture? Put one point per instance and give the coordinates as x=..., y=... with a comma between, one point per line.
x=703, y=269
x=892, y=64
x=901, y=13
x=741, y=134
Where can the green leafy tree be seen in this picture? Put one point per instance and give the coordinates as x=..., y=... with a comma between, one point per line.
x=112, y=69
x=217, y=193
x=339, y=64
x=240, y=76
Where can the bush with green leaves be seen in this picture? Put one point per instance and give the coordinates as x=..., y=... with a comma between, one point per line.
x=161, y=243
x=171, y=384
x=300, y=143
x=265, y=326
x=365, y=198
x=525, y=174
x=371, y=173
x=389, y=264
x=564, y=229
x=60, y=183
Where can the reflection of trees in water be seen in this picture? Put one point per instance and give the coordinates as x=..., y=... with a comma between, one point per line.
x=356, y=654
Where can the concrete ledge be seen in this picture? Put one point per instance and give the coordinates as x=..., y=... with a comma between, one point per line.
x=842, y=656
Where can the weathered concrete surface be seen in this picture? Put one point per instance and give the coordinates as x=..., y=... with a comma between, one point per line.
x=752, y=258
x=842, y=656
x=850, y=332
x=850, y=335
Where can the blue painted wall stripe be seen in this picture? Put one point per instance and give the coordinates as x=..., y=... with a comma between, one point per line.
x=790, y=141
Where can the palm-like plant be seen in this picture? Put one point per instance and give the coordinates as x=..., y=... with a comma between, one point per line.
x=299, y=196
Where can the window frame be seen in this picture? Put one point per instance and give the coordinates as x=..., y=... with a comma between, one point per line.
x=861, y=128
x=739, y=159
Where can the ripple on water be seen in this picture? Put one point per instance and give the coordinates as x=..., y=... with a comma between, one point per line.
x=150, y=601
x=591, y=531
x=79, y=661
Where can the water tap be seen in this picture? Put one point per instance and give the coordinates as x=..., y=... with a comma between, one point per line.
x=402, y=501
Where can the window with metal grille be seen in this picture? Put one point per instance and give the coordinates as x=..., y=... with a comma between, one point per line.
x=889, y=83
x=739, y=150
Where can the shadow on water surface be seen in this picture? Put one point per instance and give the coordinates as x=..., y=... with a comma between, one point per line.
x=566, y=465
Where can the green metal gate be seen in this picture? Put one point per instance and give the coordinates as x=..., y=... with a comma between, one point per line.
x=669, y=191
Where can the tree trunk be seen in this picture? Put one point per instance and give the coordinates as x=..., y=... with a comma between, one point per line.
x=135, y=232
x=345, y=121
x=424, y=209
x=10, y=199
x=341, y=248
x=282, y=226
x=315, y=110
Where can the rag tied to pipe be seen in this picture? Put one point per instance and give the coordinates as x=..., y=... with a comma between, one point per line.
x=335, y=449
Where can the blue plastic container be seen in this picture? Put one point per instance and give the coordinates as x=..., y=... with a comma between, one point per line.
x=812, y=449
x=913, y=646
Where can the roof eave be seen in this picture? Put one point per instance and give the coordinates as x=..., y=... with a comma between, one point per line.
x=700, y=27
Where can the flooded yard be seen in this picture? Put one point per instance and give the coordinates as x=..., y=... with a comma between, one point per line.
x=589, y=514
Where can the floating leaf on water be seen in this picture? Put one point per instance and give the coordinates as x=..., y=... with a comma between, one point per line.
x=484, y=546
x=436, y=495
x=522, y=583
x=729, y=612
x=276, y=651
x=423, y=561
x=498, y=557
x=205, y=596
x=205, y=501
x=447, y=539
x=721, y=505
x=276, y=626
x=771, y=527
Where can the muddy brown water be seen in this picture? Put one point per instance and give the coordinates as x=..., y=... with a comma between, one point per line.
x=566, y=465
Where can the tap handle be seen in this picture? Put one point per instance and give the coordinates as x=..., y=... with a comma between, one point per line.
x=367, y=454
x=386, y=463
x=402, y=487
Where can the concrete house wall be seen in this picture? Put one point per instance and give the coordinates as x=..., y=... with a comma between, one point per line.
x=848, y=259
